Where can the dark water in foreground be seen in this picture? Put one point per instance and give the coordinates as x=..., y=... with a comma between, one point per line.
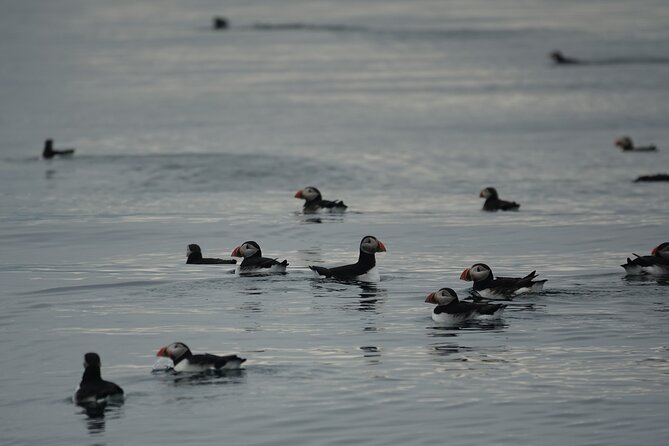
x=186, y=136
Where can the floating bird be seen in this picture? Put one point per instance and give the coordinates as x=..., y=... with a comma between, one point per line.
x=92, y=388
x=364, y=269
x=656, y=264
x=450, y=310
x=314, y=201
x=493, y=203
x=49, y=152
x=194, y=254
x=627, y=145
x=254, y=262
x=486, y=285
x=185, y=361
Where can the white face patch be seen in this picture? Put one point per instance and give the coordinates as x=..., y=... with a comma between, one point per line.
x=444, y=297
x=485, y=193
x=478, y=272
x=248, y=250
x=369, y=245
x=310, y=193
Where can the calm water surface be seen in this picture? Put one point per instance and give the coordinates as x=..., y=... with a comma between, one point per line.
x=404, y=110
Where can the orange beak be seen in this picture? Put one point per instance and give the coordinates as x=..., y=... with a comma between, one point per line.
x=236, y=252
x=465, y=275
x=381, y=247
x=481, y=194
x=430, y=299
x=654, y=251
x=298, y=194
x=162, y=352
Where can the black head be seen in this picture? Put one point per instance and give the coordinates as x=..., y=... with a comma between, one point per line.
x=48, y=144
x=624, y=142
x=309, y=193
x=662, y=250
x=194, y=249
x=476, y=273
x=174, y=350
x=488, y=192
x=370, y=244
x=92, y=360
x=444, y=296
x=247, y=249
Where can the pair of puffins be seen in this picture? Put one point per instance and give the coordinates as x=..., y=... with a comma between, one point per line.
x=93, y=390
x=449, y=309
x=364, y=269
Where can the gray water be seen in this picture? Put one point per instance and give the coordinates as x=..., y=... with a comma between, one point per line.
x=404, y=110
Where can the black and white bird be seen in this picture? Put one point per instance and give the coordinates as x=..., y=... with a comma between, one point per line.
x=194, y=256
x=92, y=388
x=486, y=285
x=185, y=361
x=450, y=310
x=627, y=145
x=364, y=269
x=254, y=262
x=493, y=203
x=314, y=201
x=656, y=264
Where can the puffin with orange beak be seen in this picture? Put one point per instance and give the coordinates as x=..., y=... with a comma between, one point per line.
x=364, y=269
x=656, y=264
x=254, y=262
x=185, y=361
x=486, y=285
x=450, y=310
x=313, y=201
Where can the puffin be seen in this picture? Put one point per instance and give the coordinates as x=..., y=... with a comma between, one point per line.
x=194, y=254
x=627, y=145
x=486, y=285
x=185, y=361
x=254, y=262
x=314, y=201
x=49, y=152
x=219, y=23
x=657, y=263
x=560, y=59
x=364, y=269
x=493, y=203
x=652, y=178
x=92, y=388
x=450, y=310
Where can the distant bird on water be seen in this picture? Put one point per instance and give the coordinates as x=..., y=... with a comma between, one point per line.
x=313, y=201
x=560, y=59
x=194, y=254
x=49, y=152
x=493, y=203
x=627, y=145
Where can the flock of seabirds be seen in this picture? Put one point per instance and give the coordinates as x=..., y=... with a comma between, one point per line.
x=486, y=302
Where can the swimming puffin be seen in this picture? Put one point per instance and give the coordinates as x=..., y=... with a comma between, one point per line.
x=49, y=152
x=627, y=145
x=656, y=264
x=194, y=254
x=185, y=361
x=314, y=201
x=92, y=388
x=493, y=203
x=486, y=285
x=364, y=269
x=652, y=178
x=254, y=262
x=450, y=310
x=560, y=59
